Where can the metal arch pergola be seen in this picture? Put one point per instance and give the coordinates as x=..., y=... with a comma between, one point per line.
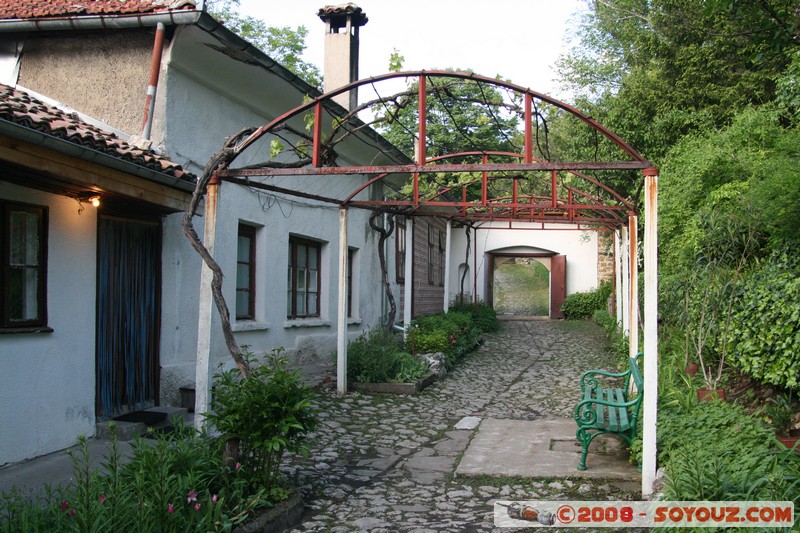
x=565, y=191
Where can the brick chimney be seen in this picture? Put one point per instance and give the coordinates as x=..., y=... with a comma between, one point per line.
x=342, y=23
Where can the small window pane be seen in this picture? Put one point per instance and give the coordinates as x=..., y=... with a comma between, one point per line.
x=242, y=303
x=312, y=280
x=244, y=249
x=312, y=258
x=243, y=276
x=24, y=232
x=312, y=304
x=300, y=303
x=24, y=301
x=301, y=256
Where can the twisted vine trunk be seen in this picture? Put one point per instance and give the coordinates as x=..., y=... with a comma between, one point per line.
x=215, y=164
x=384, y=234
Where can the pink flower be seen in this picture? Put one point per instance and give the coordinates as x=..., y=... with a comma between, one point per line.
x=170, y=508
x=72, y=512
x=191, y=497
x=64, y=505
x=197, y=506
x=238, y=466
x=214, y=498
x=102, y=498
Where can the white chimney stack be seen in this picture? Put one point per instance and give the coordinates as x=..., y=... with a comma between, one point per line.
x=341, y=49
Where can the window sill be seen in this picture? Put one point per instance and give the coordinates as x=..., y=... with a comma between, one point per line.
x=33, y=329
x=353, y=321
x=306, y=323
x=250, y=325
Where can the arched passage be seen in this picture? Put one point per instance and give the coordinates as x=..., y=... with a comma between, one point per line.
x=536, y=183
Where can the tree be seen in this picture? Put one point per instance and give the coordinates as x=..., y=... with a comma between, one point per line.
x=283, y=44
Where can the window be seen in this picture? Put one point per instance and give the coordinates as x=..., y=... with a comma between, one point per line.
x=24, y=275
x=400, y=250
x=351, y=255
x=431, y=257
x=246, y=273
x=441, y=257
x=304, y=278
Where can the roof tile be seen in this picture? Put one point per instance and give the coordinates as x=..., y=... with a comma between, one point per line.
x=18, y=107
x=27, y=9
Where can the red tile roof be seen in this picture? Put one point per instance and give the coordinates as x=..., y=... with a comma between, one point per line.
x=18, y=107
x=27, y=9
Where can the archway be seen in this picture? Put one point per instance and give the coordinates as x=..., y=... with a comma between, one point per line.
x=521, y=286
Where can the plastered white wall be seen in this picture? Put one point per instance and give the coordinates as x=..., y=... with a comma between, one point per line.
x=47, y=382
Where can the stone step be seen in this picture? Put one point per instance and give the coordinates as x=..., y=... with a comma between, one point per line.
x=127, y=431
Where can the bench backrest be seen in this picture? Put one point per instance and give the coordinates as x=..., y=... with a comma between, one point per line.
x=636, y=377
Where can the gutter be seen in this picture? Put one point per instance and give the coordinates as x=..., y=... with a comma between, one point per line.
x=63, y=146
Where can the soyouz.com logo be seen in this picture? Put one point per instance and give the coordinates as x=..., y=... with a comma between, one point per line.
x=643, y=514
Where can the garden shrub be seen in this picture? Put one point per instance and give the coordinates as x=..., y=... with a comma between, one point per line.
x=269, y=413
x=453, y=334
x=378, y=357
x=582, y=305
x=765, y=323
x=172, y=482
x=484, y=316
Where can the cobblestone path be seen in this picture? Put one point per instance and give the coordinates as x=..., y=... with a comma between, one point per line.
x=382, y=463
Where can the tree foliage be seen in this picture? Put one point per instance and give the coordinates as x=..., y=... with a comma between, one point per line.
x=283, y=44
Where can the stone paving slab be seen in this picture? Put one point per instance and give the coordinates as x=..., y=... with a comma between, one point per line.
x=541, y=449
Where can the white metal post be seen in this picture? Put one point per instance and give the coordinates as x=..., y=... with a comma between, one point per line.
x=633, y=306
x=409, y=273
x=626, y=279
x=447, y=266
x=618, y=294
x=650, y=416
x=341, y=347
x=202, y=372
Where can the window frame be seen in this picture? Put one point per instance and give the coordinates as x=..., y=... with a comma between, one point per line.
x=249, y=232
x=351, y=256
x=431, y=257
x=292, y=291
x=400, y=249
x=441, y=257
x=40, y=322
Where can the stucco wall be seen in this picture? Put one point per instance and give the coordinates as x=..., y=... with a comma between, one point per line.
x=196, y=121
x=580, y=248
x=102, y=76
x=47, y=381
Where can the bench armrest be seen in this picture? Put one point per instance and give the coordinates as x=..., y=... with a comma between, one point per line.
x=589, y=378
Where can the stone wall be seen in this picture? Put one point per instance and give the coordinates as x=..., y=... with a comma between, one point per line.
x=605, y=256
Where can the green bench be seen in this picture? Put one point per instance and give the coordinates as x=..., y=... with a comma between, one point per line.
x=606, y=406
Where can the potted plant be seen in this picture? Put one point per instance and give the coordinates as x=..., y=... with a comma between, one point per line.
x=780, y=416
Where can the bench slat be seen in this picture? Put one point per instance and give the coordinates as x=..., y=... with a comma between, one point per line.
x=612, y=411
x=623, y=412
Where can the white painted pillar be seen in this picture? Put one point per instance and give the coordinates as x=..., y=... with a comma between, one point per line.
x=409, y=273
x=447, y=264
x=626, y=279
x=650, y=416
x=633, y=255
x=618, y=295
x=202, y=372
x=341, y=330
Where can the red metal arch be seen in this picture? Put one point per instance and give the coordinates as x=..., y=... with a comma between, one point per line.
x=591, y=209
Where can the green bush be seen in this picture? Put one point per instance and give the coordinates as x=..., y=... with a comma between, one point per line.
x=378, y=357
x=765, y=323
x=453, y=334
x=268, y=413
x=582, y=305
x=172, y=482
x=484, y=316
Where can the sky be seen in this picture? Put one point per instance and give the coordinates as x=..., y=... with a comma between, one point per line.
x=518, y=39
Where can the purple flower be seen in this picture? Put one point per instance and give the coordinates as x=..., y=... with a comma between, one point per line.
x=191, y=497
x=64, y=505
x=102, y=498
x=170, y=508
x=197, y=506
